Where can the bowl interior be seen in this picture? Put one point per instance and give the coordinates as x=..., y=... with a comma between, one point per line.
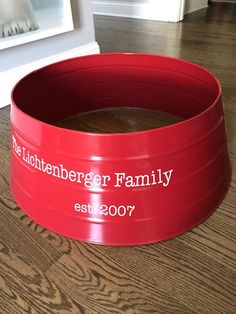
x=75, y=86
x=118, y=120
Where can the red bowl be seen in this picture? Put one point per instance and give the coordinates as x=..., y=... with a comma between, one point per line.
x=123, y=188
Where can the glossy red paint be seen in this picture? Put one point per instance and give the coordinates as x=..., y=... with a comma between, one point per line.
x=124, y=188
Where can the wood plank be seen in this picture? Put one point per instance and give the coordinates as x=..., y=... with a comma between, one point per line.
x=34, y=249
x=112, y=281
x=26, y=286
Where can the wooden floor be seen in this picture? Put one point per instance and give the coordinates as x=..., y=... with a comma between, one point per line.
x=41, y=272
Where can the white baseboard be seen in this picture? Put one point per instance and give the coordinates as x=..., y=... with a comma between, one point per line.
x=9, y=78
x=195, y=5
x=158, y=10
x=229, y=1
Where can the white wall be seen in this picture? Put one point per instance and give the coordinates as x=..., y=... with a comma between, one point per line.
x=17, y=61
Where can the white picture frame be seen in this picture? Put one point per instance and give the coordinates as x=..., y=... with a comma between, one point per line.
x=54, y=17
